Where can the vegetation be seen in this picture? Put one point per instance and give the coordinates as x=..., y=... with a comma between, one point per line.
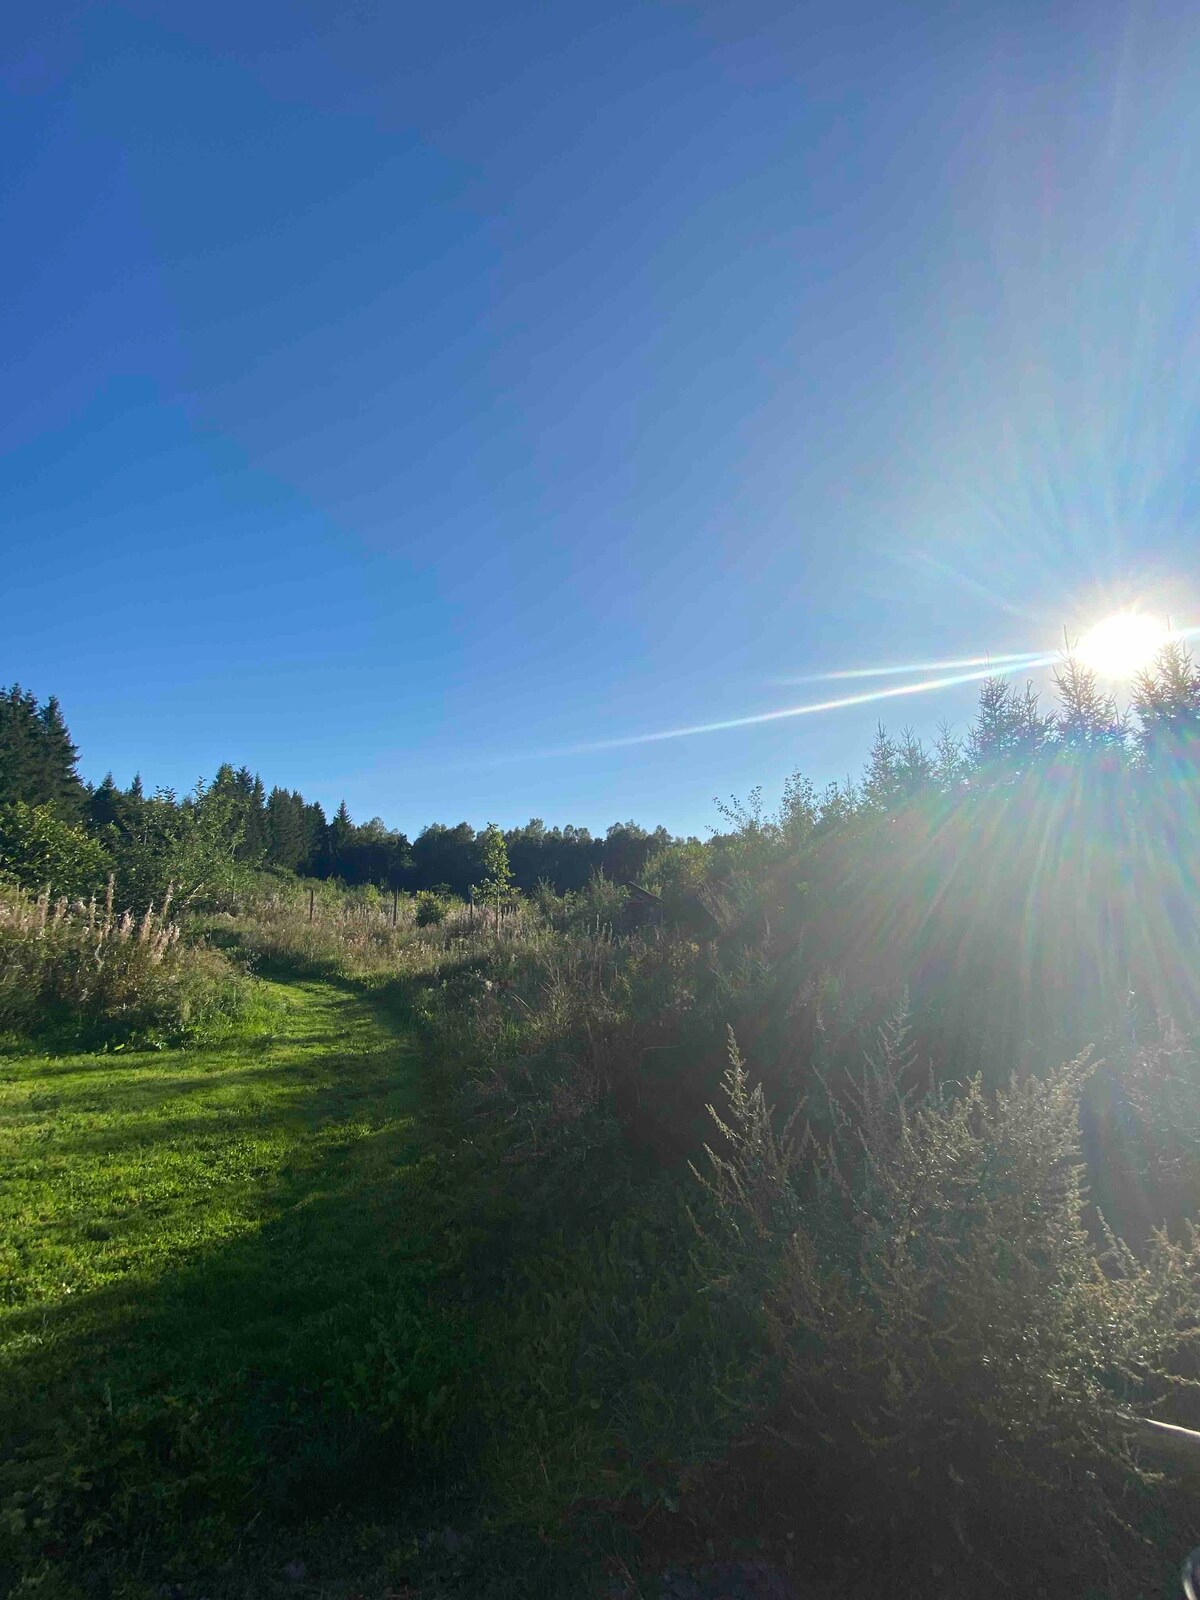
x=463, y=1252
x=85, y=974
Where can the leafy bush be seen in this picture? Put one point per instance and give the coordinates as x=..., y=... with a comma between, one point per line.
x=99, y=977
x=39, y=850
x=430, y=909
x=953, y=1340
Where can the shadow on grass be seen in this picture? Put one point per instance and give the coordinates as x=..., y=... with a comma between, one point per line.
x=282, y=1372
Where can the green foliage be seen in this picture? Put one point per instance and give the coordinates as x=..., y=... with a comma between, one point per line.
x=91, y=975
x=496, y=889
x=189, y=849
x=953, y=1338
x=610, y=1367
x=37, y=757
x=476, y=1278
x=1167, y=701
x=38, y=850
x=430, y=908
x=596, y=906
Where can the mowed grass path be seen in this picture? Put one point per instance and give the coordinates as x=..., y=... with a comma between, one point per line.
x=197, y=1251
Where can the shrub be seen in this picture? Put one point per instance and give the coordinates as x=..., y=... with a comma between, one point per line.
x=953, y=1342
x=39, y=850
x=100, y=977
x=594, y=907
x=430, y=909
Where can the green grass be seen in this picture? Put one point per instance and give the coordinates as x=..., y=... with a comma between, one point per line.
x=198, y=1252
x=278, y=1303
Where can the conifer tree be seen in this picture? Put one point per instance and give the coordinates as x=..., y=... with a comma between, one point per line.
x=316, y=832
x=880, y=787
x=1087, y=719
x=37, y=756
x=1010, y=732
x=284, y=823
x=1167, y=701
x=341, y=830
x=915, y=767
x=60, y=757
x=949, y=760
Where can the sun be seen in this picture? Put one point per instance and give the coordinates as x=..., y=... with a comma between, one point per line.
x=1122, y=645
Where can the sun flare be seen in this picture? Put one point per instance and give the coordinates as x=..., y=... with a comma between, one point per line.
x=1122, y=645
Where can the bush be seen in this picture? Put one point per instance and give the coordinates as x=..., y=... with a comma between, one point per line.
x=953, y=1341
x=430, y=909
x=38, y=850
x=85, y=972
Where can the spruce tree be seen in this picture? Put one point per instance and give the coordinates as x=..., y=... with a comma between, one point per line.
x=37, y=757
x=1010, y=732
x=109, y=811
x=60, y=757
x=316, y=832
x=1087, y=719
x=949, y=759
x=341, y=833
x=285, y=834
x=1167, y=701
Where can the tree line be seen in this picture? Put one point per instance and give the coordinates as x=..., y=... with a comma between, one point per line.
x=44, y=802
x=1080, y=760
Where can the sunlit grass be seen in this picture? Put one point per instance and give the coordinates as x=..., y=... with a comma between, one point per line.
x=193, y=1245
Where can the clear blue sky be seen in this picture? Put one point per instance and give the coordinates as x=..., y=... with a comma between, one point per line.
x=393, y=394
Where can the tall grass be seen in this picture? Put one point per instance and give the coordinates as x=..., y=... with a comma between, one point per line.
x=88, y=973
x=325, y=929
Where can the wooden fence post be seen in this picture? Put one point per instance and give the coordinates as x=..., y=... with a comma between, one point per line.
x=311, y=898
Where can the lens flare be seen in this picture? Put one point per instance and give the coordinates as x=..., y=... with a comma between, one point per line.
x=809, y=709
x=1012, y=662
x=1122, y=645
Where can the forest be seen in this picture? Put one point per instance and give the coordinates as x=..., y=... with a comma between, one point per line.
x=276, y=831
x=808, y=1210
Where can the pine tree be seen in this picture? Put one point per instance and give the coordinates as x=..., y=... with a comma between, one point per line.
x=285, y=833
x=949, y=760
x=915, y=767
x=880, y=787
x=341, y=832
x=37, y=757
x=1167, y=701
x=1087, y=718
x=1010, y=732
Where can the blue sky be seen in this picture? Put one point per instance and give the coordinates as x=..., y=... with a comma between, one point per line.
x=395, y=395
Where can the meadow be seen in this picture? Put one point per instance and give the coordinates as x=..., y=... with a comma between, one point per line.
x=818, y=1199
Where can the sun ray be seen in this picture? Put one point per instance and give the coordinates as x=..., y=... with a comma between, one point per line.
x=808, y=709
x=1011, y=662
